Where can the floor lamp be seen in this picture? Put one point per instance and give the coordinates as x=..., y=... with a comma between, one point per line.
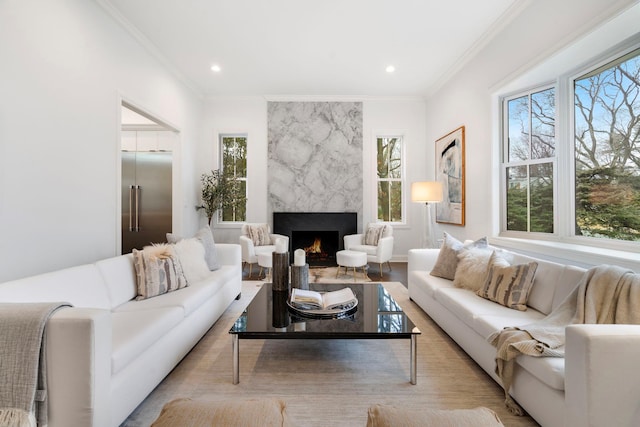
x=427, y=192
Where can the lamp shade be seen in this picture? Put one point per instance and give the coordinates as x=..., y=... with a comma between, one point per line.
x=426, y=192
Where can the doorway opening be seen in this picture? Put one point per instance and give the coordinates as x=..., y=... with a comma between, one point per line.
x=147, y=146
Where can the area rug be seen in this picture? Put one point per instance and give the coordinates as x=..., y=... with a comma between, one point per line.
x=330, y=382
x=332, y=275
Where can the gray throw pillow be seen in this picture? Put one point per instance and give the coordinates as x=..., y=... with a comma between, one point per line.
x=447, y=261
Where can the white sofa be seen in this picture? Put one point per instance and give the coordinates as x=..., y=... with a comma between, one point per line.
x=597, y=383
x=109, y=351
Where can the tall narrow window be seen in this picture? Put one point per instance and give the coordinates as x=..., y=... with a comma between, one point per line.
x=607, y=150
x=528, y=165
x=390, y=178
x=234, y=163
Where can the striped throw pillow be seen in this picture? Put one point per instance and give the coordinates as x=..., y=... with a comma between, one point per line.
x=157, y=273
x=509, y=285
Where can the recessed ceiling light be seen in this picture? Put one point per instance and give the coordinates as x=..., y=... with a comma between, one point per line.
x=216, y=68
x=390, y=69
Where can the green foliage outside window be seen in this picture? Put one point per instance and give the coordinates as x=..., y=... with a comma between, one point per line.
x=234, y=164
x=389, y=168
x=607, y=151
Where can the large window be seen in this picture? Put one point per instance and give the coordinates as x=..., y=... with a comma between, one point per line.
x=528, y=165
x=234, y=163
x=572, y=168
x=390, y=176
x=607, y=152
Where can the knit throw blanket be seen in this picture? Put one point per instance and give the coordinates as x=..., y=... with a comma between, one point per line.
x=23, y=373
x=605, y=294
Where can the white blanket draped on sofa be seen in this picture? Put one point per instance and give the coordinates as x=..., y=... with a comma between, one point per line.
x=606, y=294
x=22, y=363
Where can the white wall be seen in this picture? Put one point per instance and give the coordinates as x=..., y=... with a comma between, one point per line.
x=249, y=115
x=65, y=66
x=469, y=97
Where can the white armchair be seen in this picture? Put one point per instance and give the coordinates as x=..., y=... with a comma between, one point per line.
x=266, y=243
x=378, y=253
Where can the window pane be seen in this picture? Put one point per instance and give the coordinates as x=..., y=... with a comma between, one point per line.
x=543, y=124
x=518, y=133
x=383, y=158
x=517, y=206
x=607, y=156
x=395, y=160
x=390, y=201
x=541, y=197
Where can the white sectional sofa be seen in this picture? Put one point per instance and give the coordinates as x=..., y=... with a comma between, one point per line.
x=597, y=383
x=109, y=351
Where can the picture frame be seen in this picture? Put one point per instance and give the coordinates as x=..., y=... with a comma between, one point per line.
x=450, y=171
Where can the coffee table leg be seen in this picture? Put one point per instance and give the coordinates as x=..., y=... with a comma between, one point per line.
x=414, y=359
x=236, y=358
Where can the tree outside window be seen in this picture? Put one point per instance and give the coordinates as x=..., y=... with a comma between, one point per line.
x=389, y=167
x=529, y=164
x=607, y=151
x=234, y=164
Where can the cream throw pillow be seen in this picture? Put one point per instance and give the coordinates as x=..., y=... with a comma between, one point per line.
x=190, y=252
x=509, y=285
x=472, y=268
x=260, y=234
x=447, y=261
x=373, y=234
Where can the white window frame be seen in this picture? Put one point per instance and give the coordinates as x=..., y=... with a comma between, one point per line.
x=402, y=180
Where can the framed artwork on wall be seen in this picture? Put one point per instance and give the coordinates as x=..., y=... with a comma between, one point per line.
x=450, y=172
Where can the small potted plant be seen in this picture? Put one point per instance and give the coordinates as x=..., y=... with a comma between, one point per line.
x=220, y=191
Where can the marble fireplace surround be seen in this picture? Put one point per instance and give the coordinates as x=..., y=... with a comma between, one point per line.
x=326, y=224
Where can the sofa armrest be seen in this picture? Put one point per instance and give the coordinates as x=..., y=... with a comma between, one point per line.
x=78, y=346
x=229, y=254
x=602, y=379
x=422, y=259
x=351, y=240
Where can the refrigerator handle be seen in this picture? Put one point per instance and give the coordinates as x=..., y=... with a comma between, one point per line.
x=131, y=207
x=138, y=188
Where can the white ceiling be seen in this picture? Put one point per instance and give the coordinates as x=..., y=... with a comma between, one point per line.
x=313, y=47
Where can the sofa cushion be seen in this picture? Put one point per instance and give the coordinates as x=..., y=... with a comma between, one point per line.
x=509, y=285
x=206, y=238
x=567, y=282
x=549, y=370
x=133, y=332
x=120, y=277
x=466, y=305
x=427, y=282
x=486, y=324
x=546, y=279
x=447, y=261
x=189, y=298
x=81, y=286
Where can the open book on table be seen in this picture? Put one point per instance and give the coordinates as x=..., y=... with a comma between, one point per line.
x=342, y=299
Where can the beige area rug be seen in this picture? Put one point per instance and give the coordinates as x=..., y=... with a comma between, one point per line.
x=332, y=275
x=330, y=382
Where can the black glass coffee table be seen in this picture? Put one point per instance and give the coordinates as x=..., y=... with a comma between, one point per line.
x=377, y=316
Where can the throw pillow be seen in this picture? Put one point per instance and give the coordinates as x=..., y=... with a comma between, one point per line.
x=259, y=234
x=210, y=254
x=190, y=252
x=509, y=285
x=267, y=412
x=392, y=416
x=472, y=268
x=447, y=261
x=373, y=234
x=158, y=271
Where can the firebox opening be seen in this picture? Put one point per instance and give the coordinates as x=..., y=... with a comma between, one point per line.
x=320, y=247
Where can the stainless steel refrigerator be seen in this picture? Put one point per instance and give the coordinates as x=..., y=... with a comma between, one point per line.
x=146, y=198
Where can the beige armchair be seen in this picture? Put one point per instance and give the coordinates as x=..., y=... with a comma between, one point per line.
x=376, y=242
x=255, y=239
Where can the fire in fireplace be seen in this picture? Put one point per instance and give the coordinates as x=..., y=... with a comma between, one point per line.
x=320, y=247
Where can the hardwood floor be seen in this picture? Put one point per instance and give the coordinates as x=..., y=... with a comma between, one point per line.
x=398, y=273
